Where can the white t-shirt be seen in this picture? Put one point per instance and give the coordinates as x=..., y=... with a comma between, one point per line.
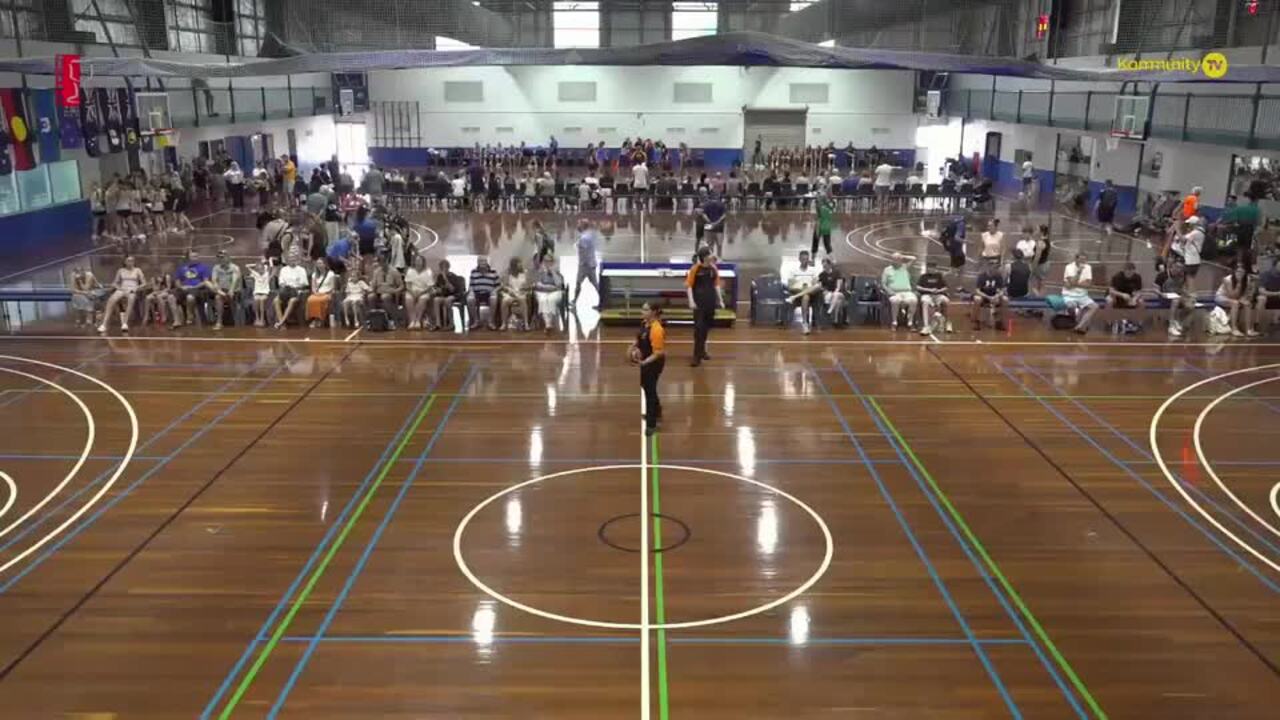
x=459, y=186
x=419, y=281
x=914, y=181
x=801, y=278
x=1083, y=277
x=1189, y=246
x=294, y=276
x=325, y=286
x=129, y=280
x=357, y=289
x=1027, y=246
x=640, y=176
x=261, y=282
x=992, y=243
x=884, y=175
x=1028, y=170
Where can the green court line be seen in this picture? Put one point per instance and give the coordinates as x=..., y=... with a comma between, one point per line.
x=993, y=568
x=660, y=610
x=283, y=627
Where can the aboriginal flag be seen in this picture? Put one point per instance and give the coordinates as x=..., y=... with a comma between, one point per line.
x=18, y=128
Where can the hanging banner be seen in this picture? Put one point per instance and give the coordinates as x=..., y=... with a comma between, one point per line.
x=67, y=80
x=18, y=127
x=90, y=121
x=128, y=118
x=6, y=165
x=44, y=102
x=112, y=121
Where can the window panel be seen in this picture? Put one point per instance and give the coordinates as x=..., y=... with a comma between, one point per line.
x=576, y=24
x=693, y=19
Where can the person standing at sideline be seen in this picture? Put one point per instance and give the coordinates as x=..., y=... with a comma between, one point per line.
x=702, y=287
x=649, y=352
x=1106, y=208
x=823, y=209
x=588, y=266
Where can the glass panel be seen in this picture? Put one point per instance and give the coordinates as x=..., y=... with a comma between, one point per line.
x=277, y=102
x=302, y=101
x=323, y=99
x=9, y=203
x=248, y=104
x=693, y=19
x=33, y=187
x=576, y=24
x=65, y=179
x=182, y=111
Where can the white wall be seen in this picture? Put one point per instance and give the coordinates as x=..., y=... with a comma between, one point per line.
x=1186, y=165
x=864, y=106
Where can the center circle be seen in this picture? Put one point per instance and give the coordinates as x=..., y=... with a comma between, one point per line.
x=589, y=622
x=607, y=525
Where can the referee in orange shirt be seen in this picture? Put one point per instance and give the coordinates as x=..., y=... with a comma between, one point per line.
x=702, y=286
x=649, y=351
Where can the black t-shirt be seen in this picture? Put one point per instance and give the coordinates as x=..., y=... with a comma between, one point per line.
x=1019, y=279
x=932, y=282
x=1270, y=280
x=990, y=282
x=1127, y=284
x=1107, y=201
x=829, y=279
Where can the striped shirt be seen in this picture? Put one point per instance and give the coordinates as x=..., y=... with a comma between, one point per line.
x=484, y=282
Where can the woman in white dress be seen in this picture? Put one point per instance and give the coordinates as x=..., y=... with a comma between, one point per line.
x=417, y=291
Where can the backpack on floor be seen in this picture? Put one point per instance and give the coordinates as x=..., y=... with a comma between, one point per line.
x=377, y=321
x=1219, y=322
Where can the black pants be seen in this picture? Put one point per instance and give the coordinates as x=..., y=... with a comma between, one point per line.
x=649, y=375
x=237, y=195
x=826, y=242
x=703, y=317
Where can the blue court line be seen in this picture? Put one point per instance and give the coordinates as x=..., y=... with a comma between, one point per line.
x=1239, y=521
x=30, y=527
x=86, y=522
x=24, y=393
x=301, y=665
x=1175, y=507
x=634, y=639
x=337, y=523
x=1049, y=667
x=920, y=552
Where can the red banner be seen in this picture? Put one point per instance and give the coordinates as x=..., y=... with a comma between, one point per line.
x=68, y=80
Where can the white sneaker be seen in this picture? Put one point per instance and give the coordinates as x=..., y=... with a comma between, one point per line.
x=924, y=331
x=1175, y=330
x=949, y=328
x=807, y=329
x=102, y=328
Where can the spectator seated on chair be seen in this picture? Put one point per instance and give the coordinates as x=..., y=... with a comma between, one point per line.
x=449, y=288
x=387, y=284
x=324, y=283
x=1076, y=279
x=989, y=292
x=294, y=284
x=802, y=287
x=160, y=301
x=128, y=286
x=548, y=291
x=353, y=304
x=228, y=282
x=418, y=282
x=932, y=288
x=515, y=296
x=195, y=285
x=482, y=289
x=833, y=290
x=1268, y=298
x=260, y=276
x=1018, y=276
x=86, y=291
x=1232, y=296
x=1182, y=302
x=896, y=282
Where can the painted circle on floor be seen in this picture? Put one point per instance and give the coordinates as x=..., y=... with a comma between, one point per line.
x=588, y=622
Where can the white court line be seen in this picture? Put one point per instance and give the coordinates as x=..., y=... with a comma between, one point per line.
x=813, y=579
x=1275, y=498
x=641, y=235
x=354, y=333
x=106, y=487
x=1164, y=468
x=13, y=492
x=645, y=710
x=1195, y=438
x=500, y=340
x=84, y=454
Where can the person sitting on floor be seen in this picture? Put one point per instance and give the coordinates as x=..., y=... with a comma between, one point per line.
x=1076, y=280
x=802, y=286
x=932, y=289
x=989, y=292
x=896, y=281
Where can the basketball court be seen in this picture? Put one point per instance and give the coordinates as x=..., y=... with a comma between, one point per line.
x=319, y=523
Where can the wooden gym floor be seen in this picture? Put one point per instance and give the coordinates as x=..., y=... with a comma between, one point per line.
x=851, y=524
